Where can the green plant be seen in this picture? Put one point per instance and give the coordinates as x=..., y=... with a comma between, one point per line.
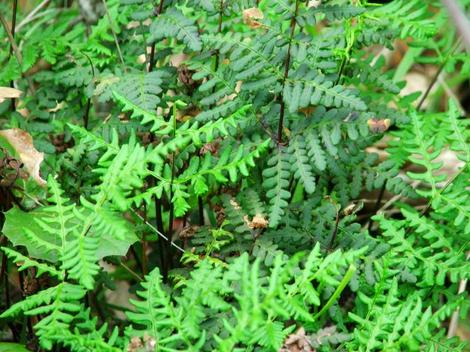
x=215, y=156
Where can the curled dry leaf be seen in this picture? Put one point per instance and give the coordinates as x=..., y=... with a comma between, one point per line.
x=378, y=126
x=9, y=93
x=252, y=16
x=259, y=222
x=297, y=342
x=22, y=143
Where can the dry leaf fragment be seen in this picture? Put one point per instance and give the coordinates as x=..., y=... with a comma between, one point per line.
x=251, y=17
x=259, y=222
x=22, y=143
x=378, y=126
x=297, y=342
x=9, y=93
x=58, y=107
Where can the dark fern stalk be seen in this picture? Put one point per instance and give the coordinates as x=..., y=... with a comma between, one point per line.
x=86, y=115
x=13, y=28
x=172, y=207
x=200, y=202
x=16, y=51
x=158, y=10
x=118, y=47
x=163, y=246
x=293, y=23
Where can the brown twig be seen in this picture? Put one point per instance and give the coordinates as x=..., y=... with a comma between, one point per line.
x=31, y=15
x=293, y=22
x=118, y=47
x=16, y=51
x=460, y=20
x=13, y=28
x=158, y=10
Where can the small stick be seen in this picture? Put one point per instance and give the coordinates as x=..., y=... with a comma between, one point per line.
x=17, y=53
x=30, y=16
x=114, y=34
x=13, y=28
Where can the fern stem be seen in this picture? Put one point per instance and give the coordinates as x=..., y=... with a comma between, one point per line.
x=144, y=245
x=158, y=10
x=200, y=205
x=344, y=61
x=118, y=47
x=159, y=234
x=88, y=103
x=335, y=230
x=172, y=206
x=16, y=51
x=436, y=75
x=13, y=28
x=130, y=271
x=293, y=22
x=163, y=246
x=342, y=285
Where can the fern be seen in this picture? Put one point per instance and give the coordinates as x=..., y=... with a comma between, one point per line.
x=250, y=170
x=174, y=24
x=277, y=182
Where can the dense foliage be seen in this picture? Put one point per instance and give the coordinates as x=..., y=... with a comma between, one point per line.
x=216, y=165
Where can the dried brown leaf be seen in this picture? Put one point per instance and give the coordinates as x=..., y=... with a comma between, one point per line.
x=258, y=222
x=251, y=17
x=378, y=126
x=9, y=93
x=297, y=342
x=22, y=143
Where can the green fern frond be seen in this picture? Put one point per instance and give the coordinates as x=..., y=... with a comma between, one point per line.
x=24, y=263
x=276, y=182
x=173, y=23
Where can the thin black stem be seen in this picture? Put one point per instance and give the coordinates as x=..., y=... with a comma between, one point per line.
x=144, y=245
x=171, y=217
x=341, y=70
x=137, y=259
x=200, y=203
x=201, y=210
x=163, y=246
x=111, y=26
x=335, y=232
x=430, y=86
x=86, y=115
x=293, y=22
x=378, y=202
x=13, y=28
x=158, y=10
x=16, y=51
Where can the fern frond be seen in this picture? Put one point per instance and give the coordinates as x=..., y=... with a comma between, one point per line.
x=304, y=88
x=276, y=183
x=301, y=168
x=24, y=263
x=173, y=23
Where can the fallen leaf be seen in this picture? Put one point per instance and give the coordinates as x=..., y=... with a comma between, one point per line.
x=378, y=126
x=22, y=144
x=9, y=93
x=259, y=222
x=297, y=342
x=251, y=17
